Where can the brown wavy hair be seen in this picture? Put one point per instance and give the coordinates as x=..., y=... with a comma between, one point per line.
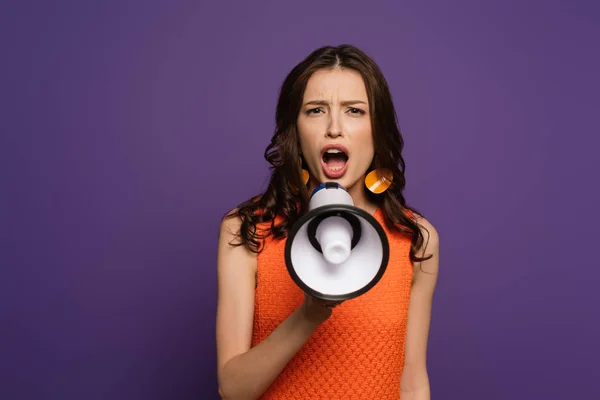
x=286, y=197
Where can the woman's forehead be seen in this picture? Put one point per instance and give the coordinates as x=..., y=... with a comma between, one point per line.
x=335, y=85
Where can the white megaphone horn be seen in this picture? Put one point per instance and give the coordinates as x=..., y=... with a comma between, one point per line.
x=336, y=251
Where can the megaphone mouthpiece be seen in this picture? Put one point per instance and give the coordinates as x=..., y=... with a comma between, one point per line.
x=334, y=234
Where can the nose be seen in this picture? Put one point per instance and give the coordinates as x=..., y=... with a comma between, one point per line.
x=334, y=129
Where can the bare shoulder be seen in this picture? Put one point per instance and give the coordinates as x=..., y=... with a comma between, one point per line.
x=229, y=239
x=230, y=226
x=430, y=246
x=430, y=232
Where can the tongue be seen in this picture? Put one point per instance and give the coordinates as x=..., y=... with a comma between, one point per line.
x=335, y=160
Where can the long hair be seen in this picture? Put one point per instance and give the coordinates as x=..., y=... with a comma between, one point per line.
x=286, y=197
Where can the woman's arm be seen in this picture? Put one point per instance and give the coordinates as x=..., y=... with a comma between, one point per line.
x=245, y=373
x=414, y=383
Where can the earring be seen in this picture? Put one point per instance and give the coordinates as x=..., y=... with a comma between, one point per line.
x=379, y=180
x=304, y=172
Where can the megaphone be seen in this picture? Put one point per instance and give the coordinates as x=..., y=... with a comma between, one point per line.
x=336, y=251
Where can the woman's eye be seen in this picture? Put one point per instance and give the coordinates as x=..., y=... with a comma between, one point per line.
x=356, y=111
x=314, y=111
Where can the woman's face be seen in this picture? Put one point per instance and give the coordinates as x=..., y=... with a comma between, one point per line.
x=334, y=126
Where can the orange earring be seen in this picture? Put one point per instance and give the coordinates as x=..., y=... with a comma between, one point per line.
x=379, y=180
x=304, y=173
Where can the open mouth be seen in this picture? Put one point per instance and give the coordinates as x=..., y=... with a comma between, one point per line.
x=334, y=161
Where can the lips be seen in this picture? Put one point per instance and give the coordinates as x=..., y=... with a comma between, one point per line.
x=334, y=160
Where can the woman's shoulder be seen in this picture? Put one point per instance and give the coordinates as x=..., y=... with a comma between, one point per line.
x=230, y=225
x=428, y=230
x=249, y=207
x=426, y=227
x=247, y=224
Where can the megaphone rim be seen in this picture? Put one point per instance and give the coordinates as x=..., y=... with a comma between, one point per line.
x=385, y=247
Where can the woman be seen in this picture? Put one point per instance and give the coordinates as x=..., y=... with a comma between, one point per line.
x=273, y=340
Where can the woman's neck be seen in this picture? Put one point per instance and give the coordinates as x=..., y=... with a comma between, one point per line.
x=361, y=200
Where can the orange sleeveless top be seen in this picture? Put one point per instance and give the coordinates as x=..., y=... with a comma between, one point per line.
x=358, y=353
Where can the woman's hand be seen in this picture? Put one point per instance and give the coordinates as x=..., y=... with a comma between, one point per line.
x=316, y=310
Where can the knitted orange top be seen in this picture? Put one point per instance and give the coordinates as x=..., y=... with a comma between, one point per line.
x=358, y=353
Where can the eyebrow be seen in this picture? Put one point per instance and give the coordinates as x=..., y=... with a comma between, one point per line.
x=325, y=102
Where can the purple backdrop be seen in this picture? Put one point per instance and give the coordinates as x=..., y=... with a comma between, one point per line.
x=128, y=128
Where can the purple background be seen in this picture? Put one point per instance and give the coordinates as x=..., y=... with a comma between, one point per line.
x=129, y=128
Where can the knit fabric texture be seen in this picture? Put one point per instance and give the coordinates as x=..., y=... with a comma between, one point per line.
x=358, y=353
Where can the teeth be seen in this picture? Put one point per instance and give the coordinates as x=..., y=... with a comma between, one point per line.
x=334, y=168
x=334, y=151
